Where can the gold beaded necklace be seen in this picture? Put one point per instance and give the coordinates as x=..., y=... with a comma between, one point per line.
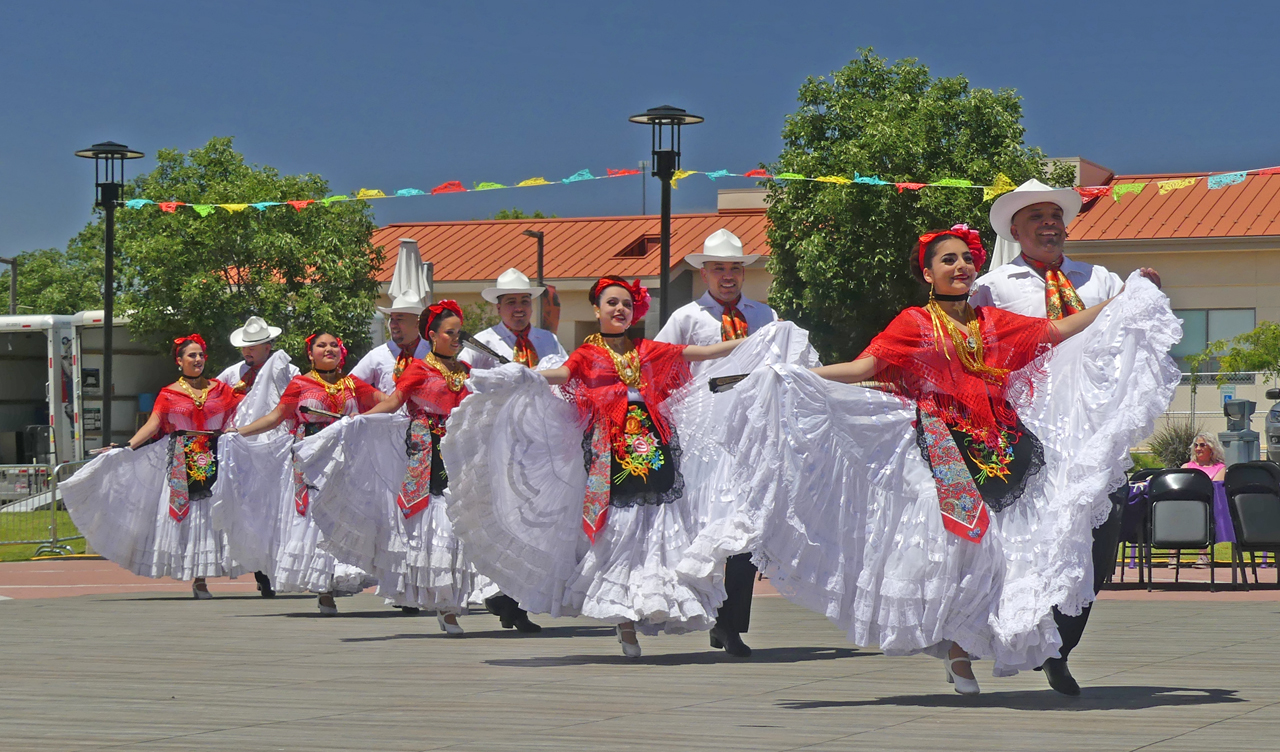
x=336, y=388
x=453, y=379
x=968, y=350
x=626, y=364
x=197, y=397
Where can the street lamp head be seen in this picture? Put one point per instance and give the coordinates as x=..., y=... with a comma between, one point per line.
x=532, y=233
x=666, y=122
x=108, y=168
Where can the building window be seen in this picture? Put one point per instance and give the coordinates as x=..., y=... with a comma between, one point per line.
x=1202, y=326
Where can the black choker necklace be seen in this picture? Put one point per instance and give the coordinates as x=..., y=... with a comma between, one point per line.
x=324, y=373
x=619, y=335
x=443, y=357
x=951, y=298
x=193, y=378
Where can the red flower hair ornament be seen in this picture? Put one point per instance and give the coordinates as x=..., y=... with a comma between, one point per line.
x=342, y=359
x=435, y=309
x=962, y=231
x=180, y=341
x=639, y=294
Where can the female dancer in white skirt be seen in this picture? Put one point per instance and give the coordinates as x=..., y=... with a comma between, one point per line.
x=147, y=508
x=950, y=511
x=381, y=483
x=585, y=507
x=269, y=471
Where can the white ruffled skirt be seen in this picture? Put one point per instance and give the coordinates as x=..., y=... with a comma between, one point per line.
x=120, y=503
x=356, y=467
x=255, y=505
x=841, y=511
x=514, y=455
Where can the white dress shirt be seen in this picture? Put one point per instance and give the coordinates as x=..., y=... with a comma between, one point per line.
x=699, y=322
x=502, y=340
x=1016, y=287
x=378, y=368
x=273, y=378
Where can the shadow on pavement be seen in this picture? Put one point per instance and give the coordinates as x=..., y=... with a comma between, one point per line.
x=434, y=631
x=707, y=657
x=1093, y=698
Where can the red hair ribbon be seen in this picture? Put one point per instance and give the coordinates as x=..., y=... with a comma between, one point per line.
x=639, y=294
x=435, y=309
x=962, y=231
x=342, y=359
x=180, y=341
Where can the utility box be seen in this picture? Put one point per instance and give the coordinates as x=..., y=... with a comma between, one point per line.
x=1239, y=443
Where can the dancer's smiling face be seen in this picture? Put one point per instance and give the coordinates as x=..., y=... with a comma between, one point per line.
x=515, y=310
x=445, y=334
x=724, y=279
x=614, y=309
x=1040, y=231
x=949, y=266
x=191, y=360
x=256, y=355
x=326, y=353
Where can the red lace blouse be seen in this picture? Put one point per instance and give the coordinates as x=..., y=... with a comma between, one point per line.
x=350, y=396
x=178, y=411
x=600, y=395
x=426, y=390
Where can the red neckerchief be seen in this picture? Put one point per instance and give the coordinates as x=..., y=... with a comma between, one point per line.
x=733, y=325
x=405, y=358
x=524, y=351
x=1060, y=296
x=246, y=381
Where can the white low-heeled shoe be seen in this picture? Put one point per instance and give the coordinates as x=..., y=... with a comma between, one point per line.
x=453, y=630
x=630, y=650
x=963, y=686
x=201, y=595
x=326, y=610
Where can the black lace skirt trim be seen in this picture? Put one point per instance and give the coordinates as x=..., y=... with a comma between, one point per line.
x=998, y=493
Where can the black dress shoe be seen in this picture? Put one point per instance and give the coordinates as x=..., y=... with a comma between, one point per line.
x=264, y=585
x=730, y=641
x=520, y=620
x=1060, y=678
x=409, y=610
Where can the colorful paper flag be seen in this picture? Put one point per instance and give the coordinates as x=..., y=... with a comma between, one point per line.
x=204, y=210
x=137, y=203
x=1225, y=179
x=718, y=174
x=1002, y=184
x=1090, y=192
x=757, y=173
x=869, y=180
x=909, y=186
x=788, y=176
x=370, y=193
x=453, y=186
x=1168, y=186
x=234, y=207
x=170, y=207
x=1117, y=191
x=620, y=173
x=262, y=205
x=579, y=175
x=953, y=183
x=832, y=179
x=330, y=199
x=488, y=186
x=410, y=192
x=1269, y=171
x=680, y=174
x=533, y=181
x=301, y=204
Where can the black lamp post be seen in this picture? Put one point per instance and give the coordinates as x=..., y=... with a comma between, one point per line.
x=108, y=174
x=666, y=122
x=538, y=234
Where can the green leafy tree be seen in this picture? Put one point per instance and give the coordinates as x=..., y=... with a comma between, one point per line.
x=59, y=282
x=480, y=315
x=518, y=214
x=839, y=252
x=181, y=272
x=1256, y=351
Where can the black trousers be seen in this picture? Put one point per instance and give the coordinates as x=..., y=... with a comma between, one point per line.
x=739, y=582
x=1106, y=541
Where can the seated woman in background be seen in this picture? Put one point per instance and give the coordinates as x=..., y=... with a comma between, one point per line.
x=1207, y=456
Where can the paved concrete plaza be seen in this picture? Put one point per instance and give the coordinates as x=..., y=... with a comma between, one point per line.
x=160, y=671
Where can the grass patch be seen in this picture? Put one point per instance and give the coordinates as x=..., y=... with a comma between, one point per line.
x=33, y=526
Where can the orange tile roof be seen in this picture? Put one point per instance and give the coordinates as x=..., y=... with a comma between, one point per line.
x=578, y=247
x=1246, y=209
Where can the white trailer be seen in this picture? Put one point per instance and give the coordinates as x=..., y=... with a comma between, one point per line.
x=138, y=373
x=35, y=390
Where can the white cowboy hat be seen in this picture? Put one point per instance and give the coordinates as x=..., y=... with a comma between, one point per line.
x=1031, y=192
x=254, y=332
x=721, y=245
x=510, y=282
x=410, y=290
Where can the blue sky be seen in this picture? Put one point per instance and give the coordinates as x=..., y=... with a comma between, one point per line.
x=411, y=94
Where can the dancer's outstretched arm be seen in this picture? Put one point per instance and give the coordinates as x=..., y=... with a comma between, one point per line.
x=555, y=376
x=1069, y=326
x=265, y=423
x=145, y=433
x=851, y=372
x=695, y=353
x=389, y=404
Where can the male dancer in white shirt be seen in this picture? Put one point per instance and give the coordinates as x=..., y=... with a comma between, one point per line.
x=515, y=338
x=258, y=380
x=382, y=365
x=1043, y=282
x=723, y=313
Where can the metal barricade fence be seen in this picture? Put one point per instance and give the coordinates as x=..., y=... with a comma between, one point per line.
x=31, y=508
